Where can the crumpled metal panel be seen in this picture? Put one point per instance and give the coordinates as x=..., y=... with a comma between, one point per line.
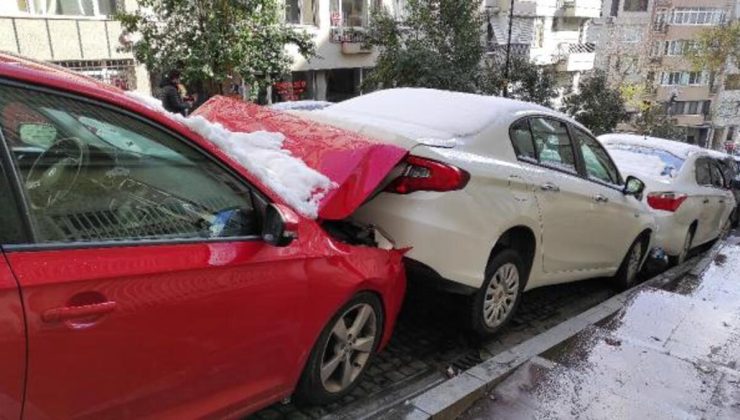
x=355, y=163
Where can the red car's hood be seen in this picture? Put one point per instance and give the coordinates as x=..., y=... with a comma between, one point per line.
x=356, y=164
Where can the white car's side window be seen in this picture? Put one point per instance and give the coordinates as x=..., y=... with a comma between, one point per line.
x=703, y=174
x=599, y=165
x=521, y=139
x=553, y=145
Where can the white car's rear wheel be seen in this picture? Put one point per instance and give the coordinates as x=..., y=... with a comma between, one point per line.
x=496, y=301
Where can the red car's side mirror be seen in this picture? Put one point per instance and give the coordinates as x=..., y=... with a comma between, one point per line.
x=280, y=225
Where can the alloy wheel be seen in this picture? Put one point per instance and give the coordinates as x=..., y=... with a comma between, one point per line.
x=501, y=295
x=350, y=344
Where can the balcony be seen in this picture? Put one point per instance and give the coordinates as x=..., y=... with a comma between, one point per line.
x=352, y=40
x=579, y=8
x=576, y=57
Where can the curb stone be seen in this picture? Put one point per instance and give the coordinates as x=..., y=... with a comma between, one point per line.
x=451, y=398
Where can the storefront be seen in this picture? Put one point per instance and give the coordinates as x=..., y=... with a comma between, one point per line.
x=333, y=85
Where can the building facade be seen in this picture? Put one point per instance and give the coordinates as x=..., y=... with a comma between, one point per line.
x=549, y=32
x=77, y=34
x=337, y=71
x=644, y=43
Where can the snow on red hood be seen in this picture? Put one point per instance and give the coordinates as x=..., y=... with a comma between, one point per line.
x=356, y=164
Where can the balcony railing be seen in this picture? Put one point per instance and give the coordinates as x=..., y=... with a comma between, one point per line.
x=576, y=57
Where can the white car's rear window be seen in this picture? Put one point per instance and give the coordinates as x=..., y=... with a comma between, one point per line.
x=645, y=160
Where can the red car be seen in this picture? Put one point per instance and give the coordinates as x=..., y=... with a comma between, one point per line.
x=145, y=272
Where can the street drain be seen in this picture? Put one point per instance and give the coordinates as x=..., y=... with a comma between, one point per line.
x=464, y=362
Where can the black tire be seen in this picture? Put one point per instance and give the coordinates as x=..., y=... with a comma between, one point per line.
x=477, y=313
x=310, y=389
x=627, y=274
x=681, y=258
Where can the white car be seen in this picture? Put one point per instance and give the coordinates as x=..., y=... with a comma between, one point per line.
x=498, y=196
x=685, y=188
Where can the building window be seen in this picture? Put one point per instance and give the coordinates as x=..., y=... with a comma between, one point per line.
x=635, y=5
x=697, y=16
x=687, y=107
x=684, y=78
x=349, y=13
x=672, y=48
x=301, y=12
x=69, y=7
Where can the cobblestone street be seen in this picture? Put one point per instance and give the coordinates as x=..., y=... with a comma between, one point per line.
x=429, y=344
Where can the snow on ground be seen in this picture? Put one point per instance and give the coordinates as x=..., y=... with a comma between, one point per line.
x=261, y=153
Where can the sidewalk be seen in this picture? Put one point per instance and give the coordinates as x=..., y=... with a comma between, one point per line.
x=672, y=352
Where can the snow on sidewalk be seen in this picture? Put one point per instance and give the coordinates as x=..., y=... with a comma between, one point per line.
x=669, y=353
x=262, y=154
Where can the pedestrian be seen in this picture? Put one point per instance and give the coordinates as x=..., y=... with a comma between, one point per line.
x=172, y=99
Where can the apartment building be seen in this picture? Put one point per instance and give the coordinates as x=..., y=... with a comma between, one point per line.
x=643, y=42
x=77, y=34
x=341, y=62
x=549, y=32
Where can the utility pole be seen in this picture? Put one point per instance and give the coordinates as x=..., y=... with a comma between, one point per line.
x=508, y=52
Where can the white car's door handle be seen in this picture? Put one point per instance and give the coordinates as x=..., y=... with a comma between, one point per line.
x=706, y=201
x=549, y=187
x=601, y=199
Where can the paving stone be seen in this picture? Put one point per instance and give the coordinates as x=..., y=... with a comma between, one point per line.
x=428, y=336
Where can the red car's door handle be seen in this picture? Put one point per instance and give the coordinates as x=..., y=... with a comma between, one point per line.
x=71, y=312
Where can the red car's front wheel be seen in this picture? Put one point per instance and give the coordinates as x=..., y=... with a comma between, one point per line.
x=343, y=352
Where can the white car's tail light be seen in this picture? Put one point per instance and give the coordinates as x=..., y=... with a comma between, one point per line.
x=667, y=201
x=423, y=174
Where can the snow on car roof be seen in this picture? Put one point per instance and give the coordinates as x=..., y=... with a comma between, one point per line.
x=301, y=105
x=680, y=149
x=716, y=154
x=430, y=113
x=261, y=153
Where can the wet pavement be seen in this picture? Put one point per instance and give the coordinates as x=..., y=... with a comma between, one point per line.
x=429, y=345
x=671, y=352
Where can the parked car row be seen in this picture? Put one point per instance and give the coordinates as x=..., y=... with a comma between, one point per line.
x=154, y=265
x=689, y=189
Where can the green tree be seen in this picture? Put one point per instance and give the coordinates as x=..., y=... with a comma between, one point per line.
x=211, y=41
x=528, y=81
x=653, y=121
x=596, y=105
x=715, y=49
x=437, y=45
